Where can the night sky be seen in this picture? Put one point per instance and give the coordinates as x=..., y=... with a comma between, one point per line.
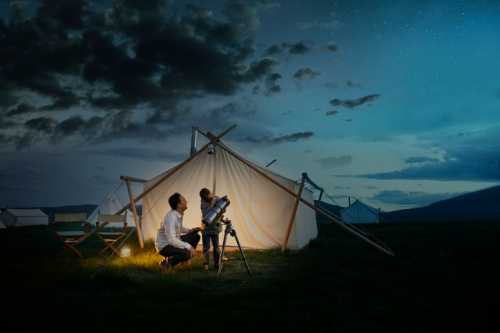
x=396, y=103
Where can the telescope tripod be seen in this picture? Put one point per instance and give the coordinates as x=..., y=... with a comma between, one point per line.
x=229, y=230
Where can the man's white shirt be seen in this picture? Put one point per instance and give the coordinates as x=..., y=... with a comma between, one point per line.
x=170, y=232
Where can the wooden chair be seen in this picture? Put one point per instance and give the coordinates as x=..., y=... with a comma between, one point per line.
x=111, y=230
x=72, y=230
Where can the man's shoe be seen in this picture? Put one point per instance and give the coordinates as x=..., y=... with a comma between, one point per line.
x=165, y=264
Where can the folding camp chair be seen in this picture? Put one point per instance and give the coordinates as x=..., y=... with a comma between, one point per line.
x=111, y=229
x=72, y=230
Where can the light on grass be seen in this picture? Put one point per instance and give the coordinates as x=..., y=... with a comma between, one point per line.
x=125, y=252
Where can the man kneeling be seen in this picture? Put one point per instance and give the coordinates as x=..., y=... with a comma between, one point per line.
x=173, y=241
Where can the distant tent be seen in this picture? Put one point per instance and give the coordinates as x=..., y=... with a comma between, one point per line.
x=109, y=205
x=360, y=212
x=23, y=217
x=2, y=226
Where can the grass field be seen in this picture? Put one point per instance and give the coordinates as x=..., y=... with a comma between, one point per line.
x=445, y=278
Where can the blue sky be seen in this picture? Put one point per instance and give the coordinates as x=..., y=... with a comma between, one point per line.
x=395, y=103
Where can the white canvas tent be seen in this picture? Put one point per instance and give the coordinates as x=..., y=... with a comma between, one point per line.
x=360, y=212
x=23, y=217
x=2, y=226
x=267, y=210
x=260, y=211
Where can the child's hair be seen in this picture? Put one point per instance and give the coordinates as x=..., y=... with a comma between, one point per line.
x=204, y=192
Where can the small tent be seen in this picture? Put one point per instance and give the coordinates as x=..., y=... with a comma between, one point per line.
x=23, y=217
x=2, y=226
x=360, y=213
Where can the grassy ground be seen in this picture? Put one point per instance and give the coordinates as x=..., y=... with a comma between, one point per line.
x=444, y=278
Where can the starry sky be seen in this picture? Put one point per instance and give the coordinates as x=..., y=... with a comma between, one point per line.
x=396, y=103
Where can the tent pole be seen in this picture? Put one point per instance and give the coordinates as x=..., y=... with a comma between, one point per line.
x=174, y=170
x=133, y=179
x=331, y=217
x=137, y=223
x=294, y=213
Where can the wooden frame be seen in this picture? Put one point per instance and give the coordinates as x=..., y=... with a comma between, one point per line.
x=294, y=213
x=110, y=238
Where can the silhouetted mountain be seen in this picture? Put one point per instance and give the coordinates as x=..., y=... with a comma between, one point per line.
x=483, y=205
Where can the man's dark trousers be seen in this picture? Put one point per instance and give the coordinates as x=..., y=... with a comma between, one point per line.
x=176, y=255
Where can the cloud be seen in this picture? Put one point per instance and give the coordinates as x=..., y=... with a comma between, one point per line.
x=280, y=139
x=471, y=157
x=21, y=108
x=42, y=124
x=420, y=159
x=411, y=198
x=352, y=103
x=332, y=47
x=297, y=48
x=335, y=161
x=305, y=74
x=331, y=113
x=272, y=86
x=292, y=48
x=76, y=48
x=246, y=15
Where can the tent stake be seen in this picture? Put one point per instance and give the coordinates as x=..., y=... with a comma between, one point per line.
x=294, y=213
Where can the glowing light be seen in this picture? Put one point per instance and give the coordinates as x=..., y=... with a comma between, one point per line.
x=125, y=251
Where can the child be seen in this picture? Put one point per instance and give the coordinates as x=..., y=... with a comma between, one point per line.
x=210, y=231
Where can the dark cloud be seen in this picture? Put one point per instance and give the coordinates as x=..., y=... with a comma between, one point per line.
x=331, y=47
x=305, y=74
x=259, y=69
x=275, y=50
x=297, y=48
x=411, y=198
x=20, y=109
x=280, y=139
x=352, y=103
x=335, y=161
x=272, y=85
x=42, y=124
x=67, y=49
x=331, y=113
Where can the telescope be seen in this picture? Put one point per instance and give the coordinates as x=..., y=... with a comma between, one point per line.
x=217, y=210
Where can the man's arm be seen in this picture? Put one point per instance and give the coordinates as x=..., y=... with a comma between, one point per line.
x=171, y=236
